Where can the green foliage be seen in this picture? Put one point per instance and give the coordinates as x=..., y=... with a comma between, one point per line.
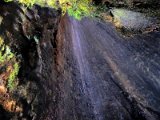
x=75, y=8
x=12, y=77
x=5, y=52
x=81, y=8
x=8, y=59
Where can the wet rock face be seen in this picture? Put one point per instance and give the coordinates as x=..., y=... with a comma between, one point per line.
x=31, y=34
x=77, y=70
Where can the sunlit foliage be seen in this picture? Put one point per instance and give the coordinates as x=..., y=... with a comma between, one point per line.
x=75, y=8
x=10, y=66
x=13, y=76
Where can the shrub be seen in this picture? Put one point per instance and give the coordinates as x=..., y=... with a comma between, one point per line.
x=75, y=8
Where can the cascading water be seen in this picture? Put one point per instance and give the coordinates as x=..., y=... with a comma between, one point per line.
x=87, y=75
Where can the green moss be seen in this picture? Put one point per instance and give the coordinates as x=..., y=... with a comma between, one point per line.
x=5, y=54
x=12, y=77
x=8, y=59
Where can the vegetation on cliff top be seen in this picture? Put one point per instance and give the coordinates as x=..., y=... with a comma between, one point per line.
x=75, y=8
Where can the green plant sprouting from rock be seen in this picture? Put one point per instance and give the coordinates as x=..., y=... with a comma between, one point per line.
x=10, y=64
x=13, y=76
x=75, y=8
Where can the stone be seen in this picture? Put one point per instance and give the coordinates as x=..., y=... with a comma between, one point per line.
x=132, y=20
